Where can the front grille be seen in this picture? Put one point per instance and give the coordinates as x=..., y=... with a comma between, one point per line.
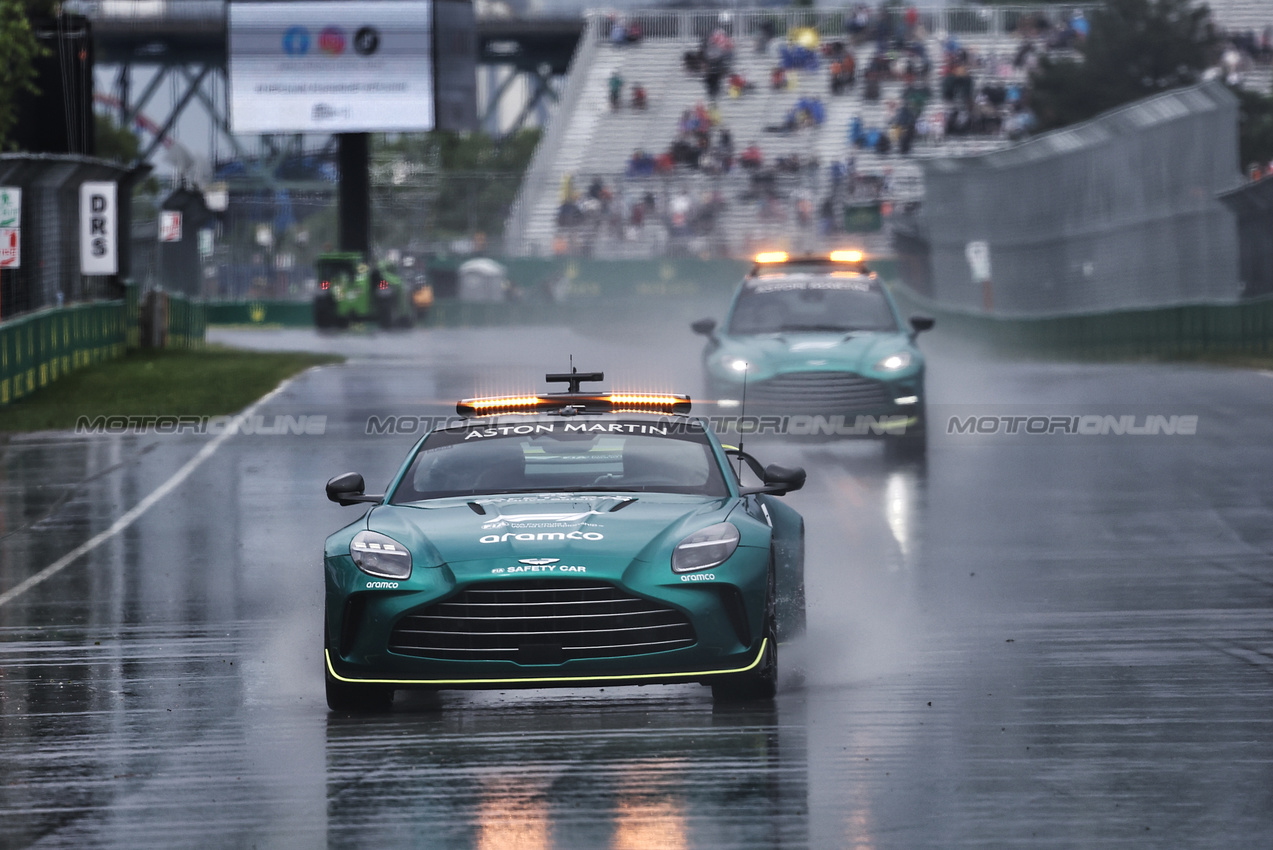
x=819, y=391
x=541, y=622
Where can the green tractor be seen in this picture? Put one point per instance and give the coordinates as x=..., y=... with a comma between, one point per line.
x=352, y=290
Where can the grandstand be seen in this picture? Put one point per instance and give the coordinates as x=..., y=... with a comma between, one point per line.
x=590, y=143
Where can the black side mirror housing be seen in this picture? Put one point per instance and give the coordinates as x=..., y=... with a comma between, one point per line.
x=781, y=480
x=703, y=327
x=922, y=323
x=347, y=489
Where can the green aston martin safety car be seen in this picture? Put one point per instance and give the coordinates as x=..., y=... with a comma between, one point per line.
x=815, y=346
x=565, y=539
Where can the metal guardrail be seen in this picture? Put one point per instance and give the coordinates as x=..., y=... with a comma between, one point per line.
x=692, y=24
x=541, y=165
x=38, y=348
x=41, y=347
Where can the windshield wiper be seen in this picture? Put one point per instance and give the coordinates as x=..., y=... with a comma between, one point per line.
x=597, y=489
x=830, y=328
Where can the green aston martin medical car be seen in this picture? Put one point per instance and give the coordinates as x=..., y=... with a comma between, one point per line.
x=565, y=539
x=815, y=346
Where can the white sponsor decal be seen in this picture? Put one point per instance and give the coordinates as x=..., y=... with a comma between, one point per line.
x=540, y=568
x=382, y=585
x=699, y=577
x=542, y=535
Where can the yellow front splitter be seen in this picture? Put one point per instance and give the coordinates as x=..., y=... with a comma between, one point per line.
x=546, y=680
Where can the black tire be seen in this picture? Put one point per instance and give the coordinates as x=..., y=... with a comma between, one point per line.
x=761, y=682
x=384, y=313
x=912, y=445
x=342, y=696
x=324, y=313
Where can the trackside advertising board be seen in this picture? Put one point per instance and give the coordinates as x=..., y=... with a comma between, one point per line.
x=328, y=67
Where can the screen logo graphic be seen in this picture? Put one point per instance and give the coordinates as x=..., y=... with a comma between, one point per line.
x=366, y=41
x=296, y=41
x=332, y=41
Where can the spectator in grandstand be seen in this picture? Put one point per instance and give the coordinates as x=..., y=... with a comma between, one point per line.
x=751, y=158
x=843, y=74
x=641, y=164
x=778, y=78
x=616, y=89
x=764, y=35
x=911, y=19
x=678, y=212
x=686, y=151
x=1078, y=23
x=739, y=85
x=639, y=100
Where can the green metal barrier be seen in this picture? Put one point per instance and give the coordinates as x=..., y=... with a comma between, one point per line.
x=274, y=313
x=38, y=349
x=187, y=322
x=1171, y=332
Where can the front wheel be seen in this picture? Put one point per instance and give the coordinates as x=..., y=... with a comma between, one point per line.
x=342, y=696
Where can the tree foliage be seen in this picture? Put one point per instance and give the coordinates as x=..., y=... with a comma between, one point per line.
x=19, y=51
x=1135, y=48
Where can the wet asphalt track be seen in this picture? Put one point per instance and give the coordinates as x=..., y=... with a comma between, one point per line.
x=1030, y=641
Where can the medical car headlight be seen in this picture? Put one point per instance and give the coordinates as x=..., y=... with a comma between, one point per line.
x=705, y=549
x=379, y=555
x=893, y=362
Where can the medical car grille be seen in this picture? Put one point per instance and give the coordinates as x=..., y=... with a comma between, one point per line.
x=819, y=390
x=541, y=622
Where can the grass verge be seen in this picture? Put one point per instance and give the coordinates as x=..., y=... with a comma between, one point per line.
x=211, y=382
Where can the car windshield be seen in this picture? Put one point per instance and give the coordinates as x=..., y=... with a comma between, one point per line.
x=579, y=455
x=835, y=302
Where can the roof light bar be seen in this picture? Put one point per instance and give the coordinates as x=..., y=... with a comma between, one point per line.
x=578, y=402
x=846, y=256
x=771, y=257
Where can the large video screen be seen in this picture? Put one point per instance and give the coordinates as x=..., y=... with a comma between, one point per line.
x=309, y=66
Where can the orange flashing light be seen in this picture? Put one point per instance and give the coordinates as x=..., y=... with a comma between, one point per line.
x=500, y=404
x=771, y=257
x=639, y=400
x=846, y=256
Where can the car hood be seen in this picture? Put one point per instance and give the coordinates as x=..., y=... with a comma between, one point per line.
x=572, y=528
x=774, y=354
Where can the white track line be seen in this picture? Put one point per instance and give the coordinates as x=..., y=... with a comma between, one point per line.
x=141, y=507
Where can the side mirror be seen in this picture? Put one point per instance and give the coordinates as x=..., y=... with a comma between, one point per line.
x=922, y=323
x=347, y=490
x=703, y=327
x=778, y=480
x=781, y=480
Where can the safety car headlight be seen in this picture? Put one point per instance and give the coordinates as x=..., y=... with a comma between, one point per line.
x=705, y=548
x=893, y=362
x=738, y=365
x=378, y=554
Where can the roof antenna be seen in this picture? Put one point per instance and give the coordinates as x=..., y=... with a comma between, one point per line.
x=742, y=412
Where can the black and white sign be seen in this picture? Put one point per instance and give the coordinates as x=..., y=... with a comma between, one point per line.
x=99, y=234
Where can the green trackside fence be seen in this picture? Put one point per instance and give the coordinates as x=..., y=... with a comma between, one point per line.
x=39, y=348
x=1185, y=331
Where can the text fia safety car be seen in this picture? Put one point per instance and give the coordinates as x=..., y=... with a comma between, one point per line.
x=565, y=539
x=817, y=344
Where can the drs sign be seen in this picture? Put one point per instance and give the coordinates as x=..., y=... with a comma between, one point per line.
x=99, y=222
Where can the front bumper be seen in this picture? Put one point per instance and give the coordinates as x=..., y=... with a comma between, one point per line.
x=365, y=629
